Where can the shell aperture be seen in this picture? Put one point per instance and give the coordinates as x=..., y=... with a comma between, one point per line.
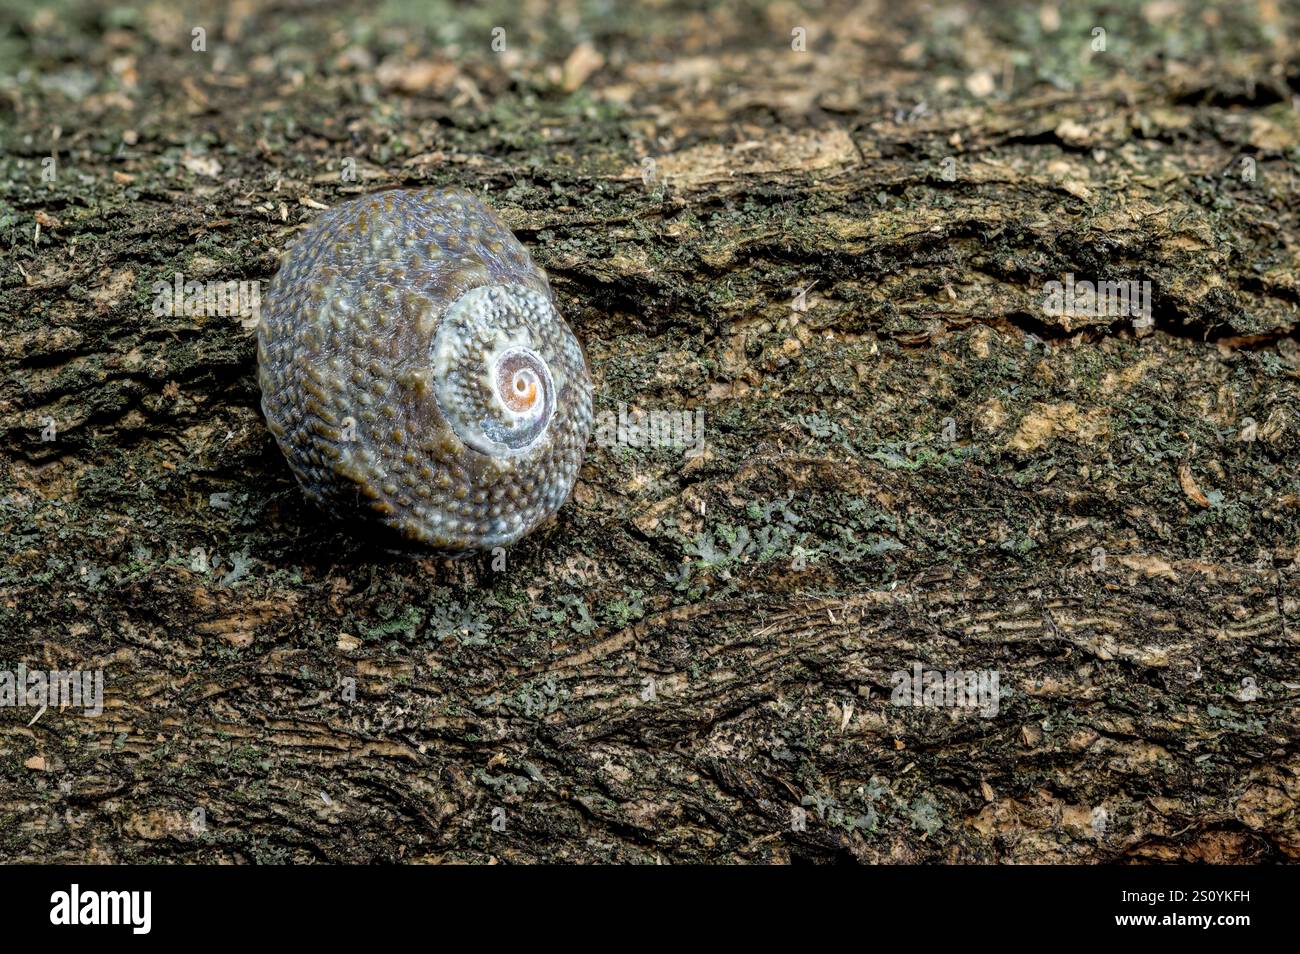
x=416, y=374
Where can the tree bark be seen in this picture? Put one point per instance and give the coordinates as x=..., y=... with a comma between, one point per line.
x=914, y=464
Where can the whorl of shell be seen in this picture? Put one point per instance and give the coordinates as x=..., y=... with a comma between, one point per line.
x=415, y=372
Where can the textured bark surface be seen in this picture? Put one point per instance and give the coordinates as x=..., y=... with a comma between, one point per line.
x=922, y=467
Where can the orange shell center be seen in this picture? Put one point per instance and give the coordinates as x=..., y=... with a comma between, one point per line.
x=517, y=383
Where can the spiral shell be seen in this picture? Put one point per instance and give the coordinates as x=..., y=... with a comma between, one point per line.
x=415, y=372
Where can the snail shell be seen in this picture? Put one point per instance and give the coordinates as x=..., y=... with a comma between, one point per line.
x=415, y=372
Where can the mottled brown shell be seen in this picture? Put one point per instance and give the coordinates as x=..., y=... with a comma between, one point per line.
x=416, y=374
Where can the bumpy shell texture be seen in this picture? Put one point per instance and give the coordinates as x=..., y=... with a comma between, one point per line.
x=416, y=374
